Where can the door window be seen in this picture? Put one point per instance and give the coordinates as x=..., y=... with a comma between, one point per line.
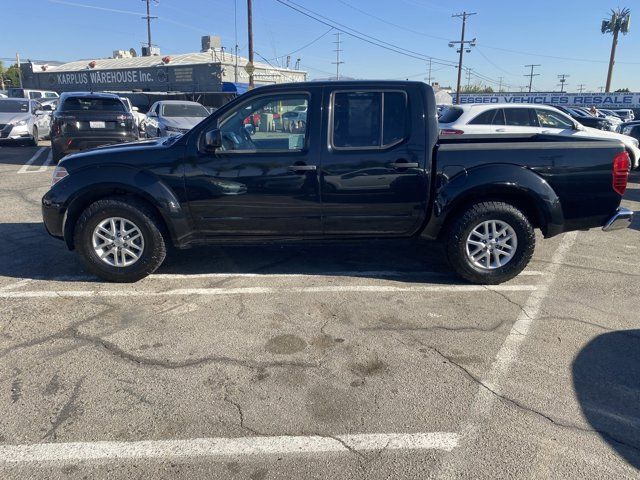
x=485, y=118
x=520, y=117
x=266, y=124
x=549, y=119
x=368, y=120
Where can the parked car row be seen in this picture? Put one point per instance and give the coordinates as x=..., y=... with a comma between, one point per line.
x=526, y=118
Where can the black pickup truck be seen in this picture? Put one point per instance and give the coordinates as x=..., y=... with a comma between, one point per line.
x=332, y=161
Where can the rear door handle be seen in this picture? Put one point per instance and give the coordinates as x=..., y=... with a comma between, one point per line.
x=302, y=168
x=501, y=129
x=404, y=165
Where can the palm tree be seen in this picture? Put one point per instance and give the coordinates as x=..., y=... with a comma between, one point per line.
x=619, y=22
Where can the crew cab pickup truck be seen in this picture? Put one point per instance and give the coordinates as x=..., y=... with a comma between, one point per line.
x=364, y=162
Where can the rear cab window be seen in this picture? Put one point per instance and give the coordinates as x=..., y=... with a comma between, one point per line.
x=368, y=120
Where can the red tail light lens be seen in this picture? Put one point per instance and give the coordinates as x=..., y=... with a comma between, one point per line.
x=621, y=165
x=451, y=131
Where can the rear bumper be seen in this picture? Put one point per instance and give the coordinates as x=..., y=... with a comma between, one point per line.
x=621, y=219
x=76, y=143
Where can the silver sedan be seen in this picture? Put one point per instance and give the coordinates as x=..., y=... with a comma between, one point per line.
x=173, y=117
x=22, y=119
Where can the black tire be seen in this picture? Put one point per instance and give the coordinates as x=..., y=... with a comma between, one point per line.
x=56, y=154
x=458, y=232
x=144, y=217
x=33, y=141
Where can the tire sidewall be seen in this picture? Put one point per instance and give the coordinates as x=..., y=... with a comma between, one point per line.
x=141, y=268
x=524, y=250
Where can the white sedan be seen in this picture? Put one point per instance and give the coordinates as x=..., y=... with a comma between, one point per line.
x=523, y=118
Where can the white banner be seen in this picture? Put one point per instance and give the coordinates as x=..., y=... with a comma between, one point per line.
x=604, y=100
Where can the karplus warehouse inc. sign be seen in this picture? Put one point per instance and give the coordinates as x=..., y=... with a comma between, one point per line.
x=604, y=100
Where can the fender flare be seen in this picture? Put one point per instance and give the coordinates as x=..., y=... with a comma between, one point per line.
x=91, y=184
x=495, y=181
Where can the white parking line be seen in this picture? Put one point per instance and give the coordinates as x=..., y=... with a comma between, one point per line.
x=47, y=163
x=15, y=285
x=266, y=290
x=490, y=385
x=225, y=447
x=24, y=168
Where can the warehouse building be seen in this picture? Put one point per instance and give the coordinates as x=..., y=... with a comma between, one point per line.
x=211, y=72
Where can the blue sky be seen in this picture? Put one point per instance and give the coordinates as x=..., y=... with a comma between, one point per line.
x=534, y=32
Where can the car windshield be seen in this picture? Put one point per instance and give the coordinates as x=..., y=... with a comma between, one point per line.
x=184, y=110
x=11, y=106
x=93, y=104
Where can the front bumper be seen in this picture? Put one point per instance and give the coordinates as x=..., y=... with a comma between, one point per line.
x=621, y=219
x=14, y=132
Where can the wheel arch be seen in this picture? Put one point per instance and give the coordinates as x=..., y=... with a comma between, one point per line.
x=172, y=220
x=511, y=184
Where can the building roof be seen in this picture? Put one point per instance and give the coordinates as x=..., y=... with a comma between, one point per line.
x=211, y=56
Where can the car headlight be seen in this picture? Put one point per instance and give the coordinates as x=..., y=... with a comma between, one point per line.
x=19, y=123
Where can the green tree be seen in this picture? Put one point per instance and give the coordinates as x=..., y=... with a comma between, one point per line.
x=476, y=89
x=10, y=76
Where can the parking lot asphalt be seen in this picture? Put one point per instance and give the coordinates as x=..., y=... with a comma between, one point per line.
x=357, y=361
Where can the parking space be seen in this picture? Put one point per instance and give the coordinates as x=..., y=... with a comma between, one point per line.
x=310, y=361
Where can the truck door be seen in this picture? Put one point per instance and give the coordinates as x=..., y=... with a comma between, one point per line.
x=373, y=179
x=263, y=180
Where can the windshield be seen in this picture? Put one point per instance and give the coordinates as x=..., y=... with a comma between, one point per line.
x=184, y=110
x=11, y=106
x=93, y=104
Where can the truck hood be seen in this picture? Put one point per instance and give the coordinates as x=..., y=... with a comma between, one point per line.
x=132, y=153
x=14, y=117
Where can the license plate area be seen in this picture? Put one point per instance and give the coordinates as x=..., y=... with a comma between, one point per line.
x=97, y=124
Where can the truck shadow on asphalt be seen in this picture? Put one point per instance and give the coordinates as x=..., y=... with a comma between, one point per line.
x=27, y=251
x=606, y=378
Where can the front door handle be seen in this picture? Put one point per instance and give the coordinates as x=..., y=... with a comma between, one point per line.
x=302, y=168
x=400, y=164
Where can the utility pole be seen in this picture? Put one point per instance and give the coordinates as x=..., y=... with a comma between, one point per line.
x=581, y=87
x=619, y=22
x=601, y=89
x=531, y=75
x=235, y=33
x=338, y=62
x=500, y=84
x=250, y=67
x=563, y=80
x=429, y=78
x=462, y=42
x=148, y=17
x=468, y=78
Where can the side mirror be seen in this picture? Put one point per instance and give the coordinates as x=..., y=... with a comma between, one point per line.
x=135, y=109
x=577, y=127
x=250, y=129
x=39, y=112
x=47, y=108
x=212, y=140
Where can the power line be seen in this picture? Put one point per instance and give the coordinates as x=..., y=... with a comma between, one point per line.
x=531, y=75
x=305, y=45
x=360, y=35
x=581, y=87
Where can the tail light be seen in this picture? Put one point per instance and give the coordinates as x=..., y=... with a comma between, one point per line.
x=58, y=174
x=621, y=165
x=451, y=131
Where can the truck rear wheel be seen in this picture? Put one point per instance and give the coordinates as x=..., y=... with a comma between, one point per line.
x=490, y=243
x=119, y=240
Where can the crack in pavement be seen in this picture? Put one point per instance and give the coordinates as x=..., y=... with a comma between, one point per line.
x=411, y=328
x=521, y=406
x=227, y=398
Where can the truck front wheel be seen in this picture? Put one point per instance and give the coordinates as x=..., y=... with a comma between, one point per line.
x=119, y=240
x=490, y=243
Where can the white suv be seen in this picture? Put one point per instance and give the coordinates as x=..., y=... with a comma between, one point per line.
x=523, y=118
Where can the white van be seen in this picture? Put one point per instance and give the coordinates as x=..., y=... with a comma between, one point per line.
x=31, y=94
